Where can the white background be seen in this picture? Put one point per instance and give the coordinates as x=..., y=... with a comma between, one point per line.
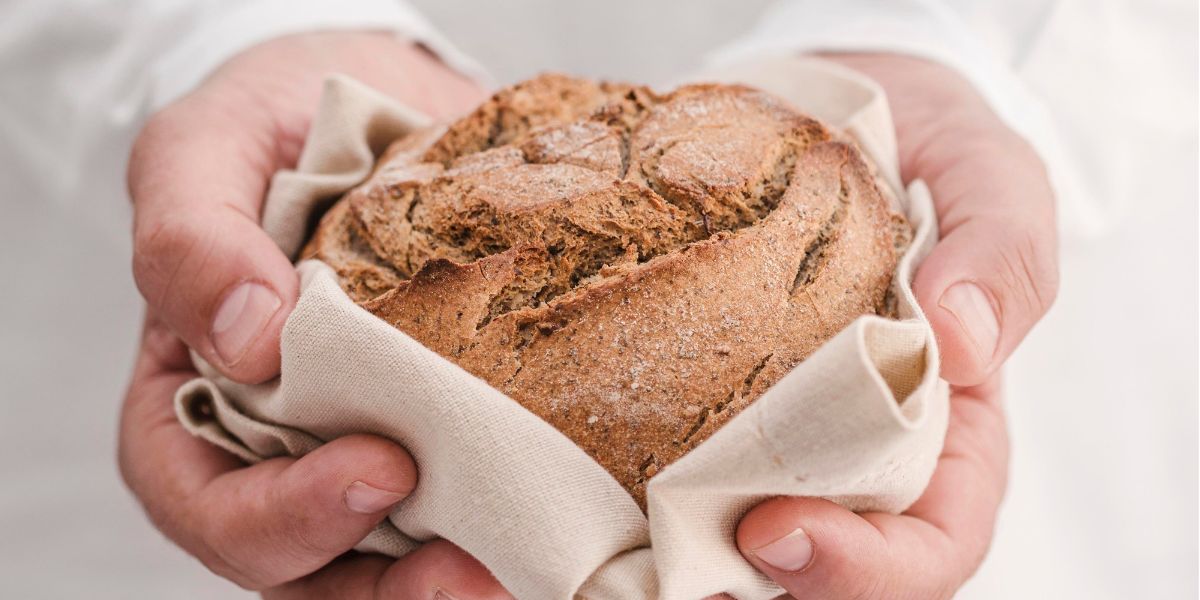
x=1102, y=397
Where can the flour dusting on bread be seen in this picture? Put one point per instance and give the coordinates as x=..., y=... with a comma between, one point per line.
x=632, y=267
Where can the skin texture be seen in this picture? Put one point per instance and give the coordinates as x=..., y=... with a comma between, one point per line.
x=284, y=526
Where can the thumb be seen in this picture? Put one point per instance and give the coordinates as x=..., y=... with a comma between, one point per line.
x=285, y=518
x=257, y=525
x=197, y=176
x=815, y=549
x=994, y=273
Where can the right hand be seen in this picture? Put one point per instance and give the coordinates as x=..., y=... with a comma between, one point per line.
x=199, y=171
x=213, y=279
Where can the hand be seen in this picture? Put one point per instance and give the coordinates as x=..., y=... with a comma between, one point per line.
x=994, y=272
x=285, y=525
x=200, y=168
x=990, y=278
x=212, y=277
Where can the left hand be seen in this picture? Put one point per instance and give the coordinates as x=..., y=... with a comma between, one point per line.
x=991, y=277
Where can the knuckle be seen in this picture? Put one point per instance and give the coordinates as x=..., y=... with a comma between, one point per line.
x=865, y=591
x=167, y=511
x=866, y=576
x=214, y=552
x=299, y=535
x=942, y=590
x=302, y=540
x=162, y=518
x=969, y=559
x=961, y=559
x=869, y=587
x=893, y=577
x=1030, y=271
x=161, y=236
x=876, y=586
x=163, y=245
x=160, y=515
x=146, y=150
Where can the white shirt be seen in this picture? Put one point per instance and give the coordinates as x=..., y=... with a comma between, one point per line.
x=1102, y=396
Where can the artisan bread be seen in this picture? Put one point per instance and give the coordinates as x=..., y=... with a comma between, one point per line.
x=632, y=267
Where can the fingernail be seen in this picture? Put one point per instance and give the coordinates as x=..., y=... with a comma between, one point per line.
x=970, y=305
x=789, y=553
x=241, y=318
x=362, y=498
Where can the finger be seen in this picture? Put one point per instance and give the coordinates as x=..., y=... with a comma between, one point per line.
x=350, y=577
x=197, y=176
x=285, y=518
x=258, y=525
x=161, y=463
x=993, y=275
x=438, y=570
x=994, y=272
x=816, y=549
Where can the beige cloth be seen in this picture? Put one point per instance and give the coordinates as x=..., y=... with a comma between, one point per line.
x=860, y=422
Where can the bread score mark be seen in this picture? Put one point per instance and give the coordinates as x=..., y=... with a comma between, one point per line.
x=632, y=268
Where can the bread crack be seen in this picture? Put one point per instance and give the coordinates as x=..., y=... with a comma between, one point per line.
x=623, y=148
x=815, y=258
x=734, y=397
x=595, y=249
x=748, y=382
x=648, y=169
x=772, y=188
x=701, y=419
x=648, y=469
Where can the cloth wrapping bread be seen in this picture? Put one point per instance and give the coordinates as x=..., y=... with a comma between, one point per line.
x=861, y=421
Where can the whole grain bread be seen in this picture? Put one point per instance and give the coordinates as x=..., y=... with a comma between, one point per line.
x=634, y=268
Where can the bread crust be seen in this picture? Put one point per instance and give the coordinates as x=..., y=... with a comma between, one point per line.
x=633, y=268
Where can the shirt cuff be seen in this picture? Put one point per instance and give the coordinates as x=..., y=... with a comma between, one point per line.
x=226, y=29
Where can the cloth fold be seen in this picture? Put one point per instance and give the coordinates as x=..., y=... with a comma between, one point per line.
x=860, y=422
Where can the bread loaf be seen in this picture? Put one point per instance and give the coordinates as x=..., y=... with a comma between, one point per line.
x=634, y=268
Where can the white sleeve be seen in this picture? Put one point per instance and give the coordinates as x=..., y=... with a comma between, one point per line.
x=924, y=28
x=930, y=29
x=80, y=77
x=222, y=29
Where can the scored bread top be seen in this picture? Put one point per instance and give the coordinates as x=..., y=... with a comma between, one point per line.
x=634, y=268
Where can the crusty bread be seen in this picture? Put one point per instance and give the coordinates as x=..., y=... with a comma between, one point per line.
x=633, y=268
